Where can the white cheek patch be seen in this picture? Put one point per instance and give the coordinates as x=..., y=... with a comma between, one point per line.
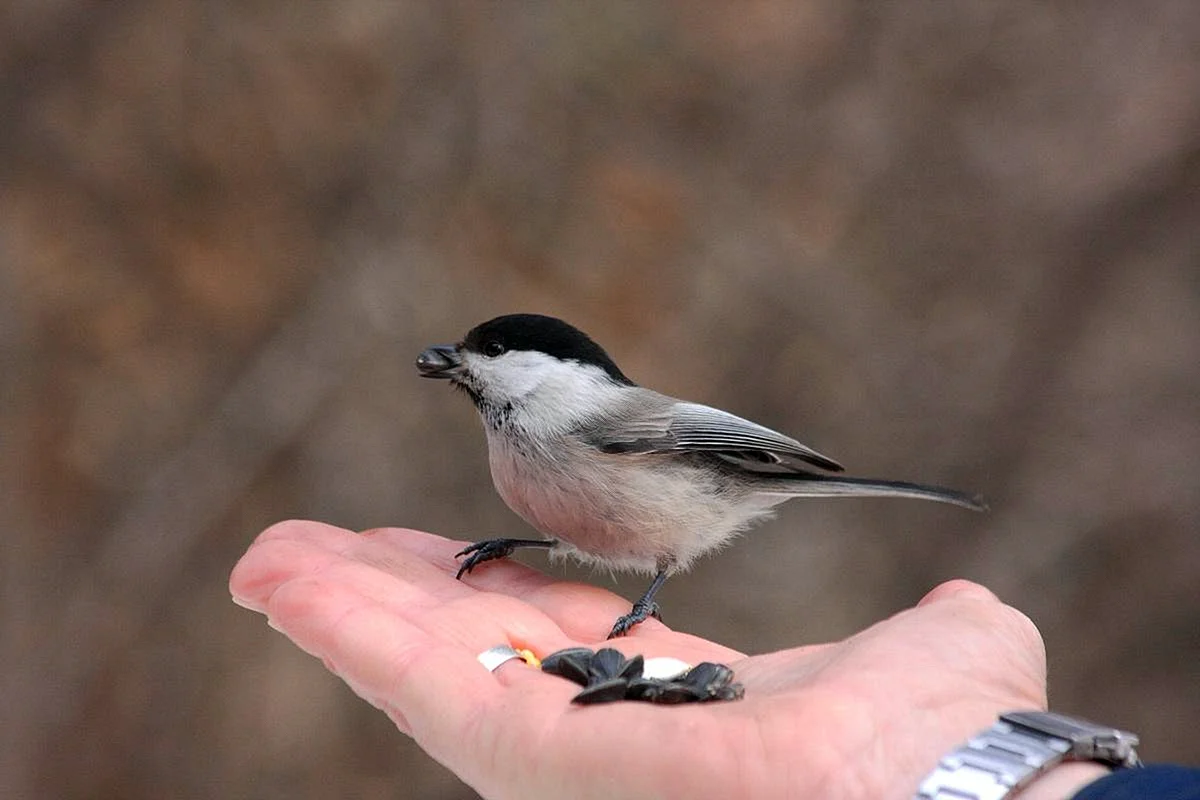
x=551, y=392
x=517, y=373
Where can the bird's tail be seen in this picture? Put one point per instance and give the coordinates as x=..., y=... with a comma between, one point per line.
x=813, y=485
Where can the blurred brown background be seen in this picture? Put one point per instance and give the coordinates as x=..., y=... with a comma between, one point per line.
x=951, y=242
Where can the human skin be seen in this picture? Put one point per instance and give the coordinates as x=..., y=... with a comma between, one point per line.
x=865, y=717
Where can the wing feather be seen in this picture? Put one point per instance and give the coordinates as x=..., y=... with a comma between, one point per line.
x=698, y=428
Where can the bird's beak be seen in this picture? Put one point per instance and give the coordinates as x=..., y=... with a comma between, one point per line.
x=439, y=361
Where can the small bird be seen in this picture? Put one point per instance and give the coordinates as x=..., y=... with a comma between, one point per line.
x=619, y=475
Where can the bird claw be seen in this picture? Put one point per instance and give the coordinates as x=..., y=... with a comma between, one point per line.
x=492, y=549
x=487, y=550
x=640, y=612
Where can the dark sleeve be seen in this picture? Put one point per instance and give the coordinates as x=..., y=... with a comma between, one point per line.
x=1154, y=782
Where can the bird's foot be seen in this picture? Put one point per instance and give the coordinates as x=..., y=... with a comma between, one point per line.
x=641, y=610
x=492, y=549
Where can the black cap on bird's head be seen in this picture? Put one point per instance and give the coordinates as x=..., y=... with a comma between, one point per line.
x=540, y=333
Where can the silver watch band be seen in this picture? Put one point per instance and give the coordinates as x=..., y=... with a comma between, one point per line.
x=1018, y=748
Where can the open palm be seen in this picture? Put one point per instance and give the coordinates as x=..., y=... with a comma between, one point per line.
x=862, y=718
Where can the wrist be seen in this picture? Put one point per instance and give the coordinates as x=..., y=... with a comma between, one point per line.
x=1042, y=753
x=1064, y=781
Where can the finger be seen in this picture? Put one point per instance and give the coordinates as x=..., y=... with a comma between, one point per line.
x=458, y=613
x=503, y=575
x=410, y=587
x=979, y=641
x=553, y=616
x=430, y=560
x=317, y=533
x=476, y=621
x=434, y=686
x=271, y=560
x=411, y=573
x=1022, y=634
x=957, y=588
x=585, y=613
x=295, y=547
x=429, y=595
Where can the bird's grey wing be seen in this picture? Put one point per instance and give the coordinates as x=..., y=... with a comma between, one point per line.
x=678, y=426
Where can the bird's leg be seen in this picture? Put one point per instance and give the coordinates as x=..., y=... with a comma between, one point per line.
x=645, y=605
x=491, y=549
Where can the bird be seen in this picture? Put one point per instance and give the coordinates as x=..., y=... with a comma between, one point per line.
x=619, y=475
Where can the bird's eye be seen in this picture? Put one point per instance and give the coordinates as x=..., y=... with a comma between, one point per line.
x=493, y=349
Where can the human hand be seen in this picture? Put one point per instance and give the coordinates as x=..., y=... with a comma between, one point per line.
x=866, y=717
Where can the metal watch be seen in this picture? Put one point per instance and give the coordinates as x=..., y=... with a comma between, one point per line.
x=1019, y=747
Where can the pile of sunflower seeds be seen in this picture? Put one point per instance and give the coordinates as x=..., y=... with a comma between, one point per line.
x=607, y=676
